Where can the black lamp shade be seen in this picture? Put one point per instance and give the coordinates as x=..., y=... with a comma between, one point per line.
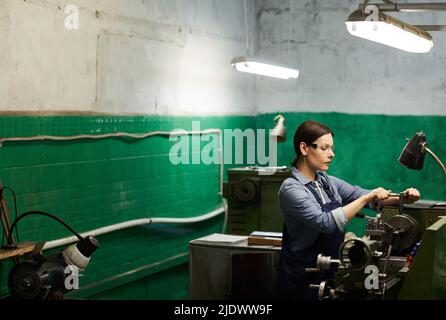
x=88, y=245
x=412, y=155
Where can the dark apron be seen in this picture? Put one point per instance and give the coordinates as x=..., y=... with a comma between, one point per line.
x=292, y=281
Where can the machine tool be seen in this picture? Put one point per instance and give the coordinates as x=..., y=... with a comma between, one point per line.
x=402, y=255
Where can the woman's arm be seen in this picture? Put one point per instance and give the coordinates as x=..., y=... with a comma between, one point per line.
x=410, y=196
x=353, y=207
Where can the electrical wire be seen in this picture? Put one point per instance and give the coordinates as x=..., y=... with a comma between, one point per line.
x=289, y=31
x=3, y=232
x=23, y=215
x=245, y=12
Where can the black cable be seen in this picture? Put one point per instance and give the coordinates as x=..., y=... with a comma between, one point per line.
x=23, y=215
x=15, y=208
x=3, y=232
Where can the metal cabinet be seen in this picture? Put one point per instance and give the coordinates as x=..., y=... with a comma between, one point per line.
x=231, y=269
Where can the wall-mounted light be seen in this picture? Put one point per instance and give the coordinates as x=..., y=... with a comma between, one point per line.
x=244, y=64
x=264, y=68
x=371, y=23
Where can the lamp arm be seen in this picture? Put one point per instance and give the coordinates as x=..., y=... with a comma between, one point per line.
x=436, y=158
x=407, y=7
x=364, y=5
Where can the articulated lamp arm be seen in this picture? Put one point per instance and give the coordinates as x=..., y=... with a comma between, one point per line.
x=426, y=149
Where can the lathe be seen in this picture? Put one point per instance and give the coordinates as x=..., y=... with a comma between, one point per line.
x=402, y=255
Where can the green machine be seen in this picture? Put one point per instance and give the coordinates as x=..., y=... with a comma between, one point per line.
x=401, y=256
x=252, y=199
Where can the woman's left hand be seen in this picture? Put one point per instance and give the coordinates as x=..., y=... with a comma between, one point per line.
x=411, y=195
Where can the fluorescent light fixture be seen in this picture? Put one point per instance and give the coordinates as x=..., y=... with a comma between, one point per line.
x=391, y=32
x=244, y=64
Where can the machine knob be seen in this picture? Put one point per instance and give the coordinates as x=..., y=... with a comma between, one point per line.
x=245, y=191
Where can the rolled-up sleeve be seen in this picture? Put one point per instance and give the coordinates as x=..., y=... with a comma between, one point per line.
x=297, y=205
x=340, y=218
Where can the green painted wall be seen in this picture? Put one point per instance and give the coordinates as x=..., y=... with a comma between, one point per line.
x=169, y=284
x=94, y=183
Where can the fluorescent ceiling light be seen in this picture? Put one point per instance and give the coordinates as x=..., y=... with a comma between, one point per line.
x=244, y=64
x=391, y=32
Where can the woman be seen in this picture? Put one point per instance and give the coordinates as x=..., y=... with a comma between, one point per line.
x=316, y=208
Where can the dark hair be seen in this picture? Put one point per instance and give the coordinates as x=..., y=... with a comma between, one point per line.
x=308, y=132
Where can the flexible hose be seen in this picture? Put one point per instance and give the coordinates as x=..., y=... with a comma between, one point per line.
x=133, y=223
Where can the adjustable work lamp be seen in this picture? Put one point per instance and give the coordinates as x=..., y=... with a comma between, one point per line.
x=414, y=153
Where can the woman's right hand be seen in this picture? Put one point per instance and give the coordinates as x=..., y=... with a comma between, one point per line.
x=378, y=194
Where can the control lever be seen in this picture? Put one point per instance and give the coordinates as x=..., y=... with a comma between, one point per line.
x=400, y=196
x=325, y=290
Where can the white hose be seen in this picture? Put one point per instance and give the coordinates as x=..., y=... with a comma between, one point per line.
x=133, y=223
x=225, y=222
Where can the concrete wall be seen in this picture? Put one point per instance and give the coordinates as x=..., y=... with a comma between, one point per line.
x=172, y=57
x=132, y=56
x=343, y=73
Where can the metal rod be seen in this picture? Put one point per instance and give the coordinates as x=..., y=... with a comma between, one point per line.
x=430, y=27
x=436, y=159
x=400, y=203
x=389, y=251
x=408, y=7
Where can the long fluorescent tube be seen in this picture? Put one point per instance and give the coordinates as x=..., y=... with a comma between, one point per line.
x=244, y=64
x=391, y=32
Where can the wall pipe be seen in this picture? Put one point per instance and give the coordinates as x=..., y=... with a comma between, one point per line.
x=136, y=222
x=126, y=135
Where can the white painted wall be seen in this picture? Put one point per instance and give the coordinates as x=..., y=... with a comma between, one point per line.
x=128, y=56
x=172, y=57
x=342, y=73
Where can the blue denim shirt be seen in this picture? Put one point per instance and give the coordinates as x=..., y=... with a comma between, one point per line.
x=302, y=212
